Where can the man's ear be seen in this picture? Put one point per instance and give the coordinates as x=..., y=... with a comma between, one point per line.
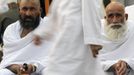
x=126, y=16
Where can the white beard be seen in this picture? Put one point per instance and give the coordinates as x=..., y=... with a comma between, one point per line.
x=115, y=34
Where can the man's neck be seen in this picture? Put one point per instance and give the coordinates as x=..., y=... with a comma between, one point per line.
x=25, y=32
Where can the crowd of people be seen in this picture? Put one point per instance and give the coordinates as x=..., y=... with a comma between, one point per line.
x=73, y=39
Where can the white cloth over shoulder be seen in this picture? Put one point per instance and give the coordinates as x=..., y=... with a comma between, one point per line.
x=130, y=11
x=19, y=50
x=41, y=29
x=121, y=50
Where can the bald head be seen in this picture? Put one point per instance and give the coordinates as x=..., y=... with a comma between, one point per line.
x=37, y=2
x=115, y=13
x=115, y=6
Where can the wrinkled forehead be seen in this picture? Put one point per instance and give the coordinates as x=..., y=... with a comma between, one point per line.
x=114, y=11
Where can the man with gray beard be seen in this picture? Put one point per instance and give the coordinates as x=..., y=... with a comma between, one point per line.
x=116, y=56
x=115, y=31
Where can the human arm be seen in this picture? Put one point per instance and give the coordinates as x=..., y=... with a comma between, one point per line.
x=43, y=31
x=33, y=67
x=107, y=64
x=95, y=49
x=37, y=40
x=20, y=69
x=119, y=68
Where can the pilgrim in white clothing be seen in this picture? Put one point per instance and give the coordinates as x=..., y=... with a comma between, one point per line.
x=113, y=51
x=116, y=56
x=76, y=24
x=19, y=50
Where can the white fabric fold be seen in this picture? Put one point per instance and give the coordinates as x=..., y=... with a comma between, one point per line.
x=91, y=16
x=41, y=29
x=70, y=54
x=115, y=51
x=19, y=50
x=130, y=10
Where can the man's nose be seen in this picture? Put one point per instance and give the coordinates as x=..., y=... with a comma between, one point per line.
x=115, y=19
x=28, y=13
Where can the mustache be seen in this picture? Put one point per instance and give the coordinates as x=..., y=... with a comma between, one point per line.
x=116, y=25
x=29, y=22
x=29, y=18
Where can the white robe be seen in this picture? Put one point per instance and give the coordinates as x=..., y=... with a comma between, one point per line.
x=19, y=50
x=91, y=15
x=115, y=51
x=76, y=24
x=130, y=11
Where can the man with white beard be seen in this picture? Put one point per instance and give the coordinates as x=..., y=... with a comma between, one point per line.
x=116, y=56
x=115, y=31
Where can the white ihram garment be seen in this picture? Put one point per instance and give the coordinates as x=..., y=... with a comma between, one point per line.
x=76, y=25
x=130, y=11
x=19, y=50
x=115, y=51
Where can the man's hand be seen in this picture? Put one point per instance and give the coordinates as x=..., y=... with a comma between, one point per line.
x=120, y=68
x=95, y=49
x=37, y=40
x=27, y=71
x=19, y=69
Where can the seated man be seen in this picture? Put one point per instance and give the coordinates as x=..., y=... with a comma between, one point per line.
x=21, y=55
x=117, y=54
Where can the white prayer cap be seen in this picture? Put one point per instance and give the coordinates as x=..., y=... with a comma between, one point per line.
x=10, y=1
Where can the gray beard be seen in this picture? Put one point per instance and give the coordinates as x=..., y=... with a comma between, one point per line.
x=115, y=34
